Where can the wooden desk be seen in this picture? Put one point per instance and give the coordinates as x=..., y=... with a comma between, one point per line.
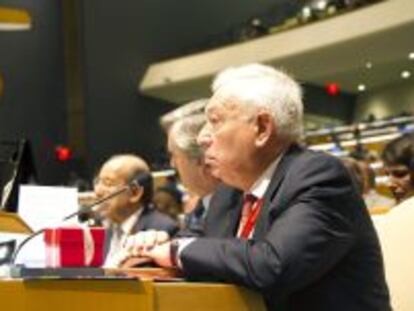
x=124, y=295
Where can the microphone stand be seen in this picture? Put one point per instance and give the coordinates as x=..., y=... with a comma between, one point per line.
x=81, y=210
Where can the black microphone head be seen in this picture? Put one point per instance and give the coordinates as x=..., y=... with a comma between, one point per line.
x=144, y=180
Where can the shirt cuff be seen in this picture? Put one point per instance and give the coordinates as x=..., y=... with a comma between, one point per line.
x=182, y=244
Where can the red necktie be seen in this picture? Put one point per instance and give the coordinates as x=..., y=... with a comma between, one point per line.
x=248, y=217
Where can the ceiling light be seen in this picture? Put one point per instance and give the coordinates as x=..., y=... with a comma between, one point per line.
x=306, y=13
x=411, y=56
x=14, y=19
x=405, y=74
x=368, y=65
x=362, y=87
x=321, y=5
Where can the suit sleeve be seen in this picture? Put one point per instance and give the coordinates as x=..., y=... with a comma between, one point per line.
x=171, y=227
x=159, y=221
x=311, y=235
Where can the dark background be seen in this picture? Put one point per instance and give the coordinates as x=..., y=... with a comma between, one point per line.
x=117, y=42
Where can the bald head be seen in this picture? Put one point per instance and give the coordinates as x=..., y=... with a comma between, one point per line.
x=117, y=172
x=127, y=165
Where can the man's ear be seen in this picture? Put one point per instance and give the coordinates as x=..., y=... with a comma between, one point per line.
x=136, y=192
x=264, y=128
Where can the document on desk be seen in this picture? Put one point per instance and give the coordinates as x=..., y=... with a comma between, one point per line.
x=46, y=206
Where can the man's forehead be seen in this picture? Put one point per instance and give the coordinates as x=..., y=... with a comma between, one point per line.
x=108, y=172
x=219, y=104
x=212, y=106
x=122, y=166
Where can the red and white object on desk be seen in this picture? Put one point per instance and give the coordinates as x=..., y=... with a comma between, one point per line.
x=74, y=247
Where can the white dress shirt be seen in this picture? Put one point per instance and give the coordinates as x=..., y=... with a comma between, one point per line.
x=120, y=233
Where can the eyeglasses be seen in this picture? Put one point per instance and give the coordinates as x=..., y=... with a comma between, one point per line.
x=107, y=183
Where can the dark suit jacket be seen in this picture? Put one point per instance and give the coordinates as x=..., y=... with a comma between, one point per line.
x=314, y=245
x=150, y=219
x=225, y=200
x=194, y=221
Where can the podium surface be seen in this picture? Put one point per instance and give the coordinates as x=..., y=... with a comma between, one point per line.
x=125, y=295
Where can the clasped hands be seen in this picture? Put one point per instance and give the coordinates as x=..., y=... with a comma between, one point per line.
x=152, y=245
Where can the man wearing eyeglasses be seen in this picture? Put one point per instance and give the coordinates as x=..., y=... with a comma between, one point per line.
x=131, y=211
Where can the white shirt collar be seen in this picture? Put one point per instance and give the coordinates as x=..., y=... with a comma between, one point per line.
x=258, y=189
x=206, y=201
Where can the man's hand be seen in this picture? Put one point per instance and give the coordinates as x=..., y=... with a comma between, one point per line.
x=144, y=241
x=160, y=254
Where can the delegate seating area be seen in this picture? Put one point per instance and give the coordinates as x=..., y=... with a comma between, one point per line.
x=394, y=226
x=365, y=142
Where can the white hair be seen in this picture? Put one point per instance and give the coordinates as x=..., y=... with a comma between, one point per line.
x=184, y=134
x=263, y=86
x=188, y=109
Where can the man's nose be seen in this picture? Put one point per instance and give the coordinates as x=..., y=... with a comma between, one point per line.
x=392, y=182
x=204, y=137
x=99, y=190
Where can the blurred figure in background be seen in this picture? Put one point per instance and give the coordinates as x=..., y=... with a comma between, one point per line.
x=187, y=157
x=356, y=172
x=79, y=182
x=131, y=211
x=168, y=200
x=192, y=108
x=364, y=178
x=373, y=199
x=398, y=158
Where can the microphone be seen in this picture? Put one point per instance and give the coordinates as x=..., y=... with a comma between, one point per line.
x=142, y=179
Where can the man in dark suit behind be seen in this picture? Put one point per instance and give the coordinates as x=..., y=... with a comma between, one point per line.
x=131, y=211
x=304, y=237
x=187, y=157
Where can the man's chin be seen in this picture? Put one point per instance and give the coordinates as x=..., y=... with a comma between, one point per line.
x=104, y=213
x=215, y=172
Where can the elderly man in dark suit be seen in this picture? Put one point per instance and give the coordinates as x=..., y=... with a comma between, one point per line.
x=303, y=237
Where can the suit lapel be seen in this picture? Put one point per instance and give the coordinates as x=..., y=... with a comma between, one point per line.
x=233, y=218
x=141, y=224
x=223, y=213
x=274, y=185
x=194, y=220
